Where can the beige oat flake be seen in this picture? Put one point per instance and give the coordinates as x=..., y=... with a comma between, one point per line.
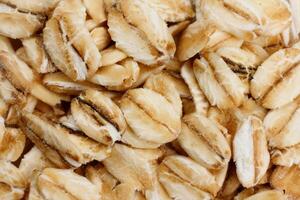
x=149, y=99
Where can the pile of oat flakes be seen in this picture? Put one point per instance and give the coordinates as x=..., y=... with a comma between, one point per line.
x=149, y=99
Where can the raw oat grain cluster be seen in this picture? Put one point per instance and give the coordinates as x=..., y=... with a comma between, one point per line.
x=149, y=99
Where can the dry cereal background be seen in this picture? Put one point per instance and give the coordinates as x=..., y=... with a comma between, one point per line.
x=149, y=100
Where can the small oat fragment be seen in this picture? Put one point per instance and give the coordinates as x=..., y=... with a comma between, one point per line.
x=8, y=92
x=231, y=184
x=218, y=37
x=176, y=29
x=111, y=56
